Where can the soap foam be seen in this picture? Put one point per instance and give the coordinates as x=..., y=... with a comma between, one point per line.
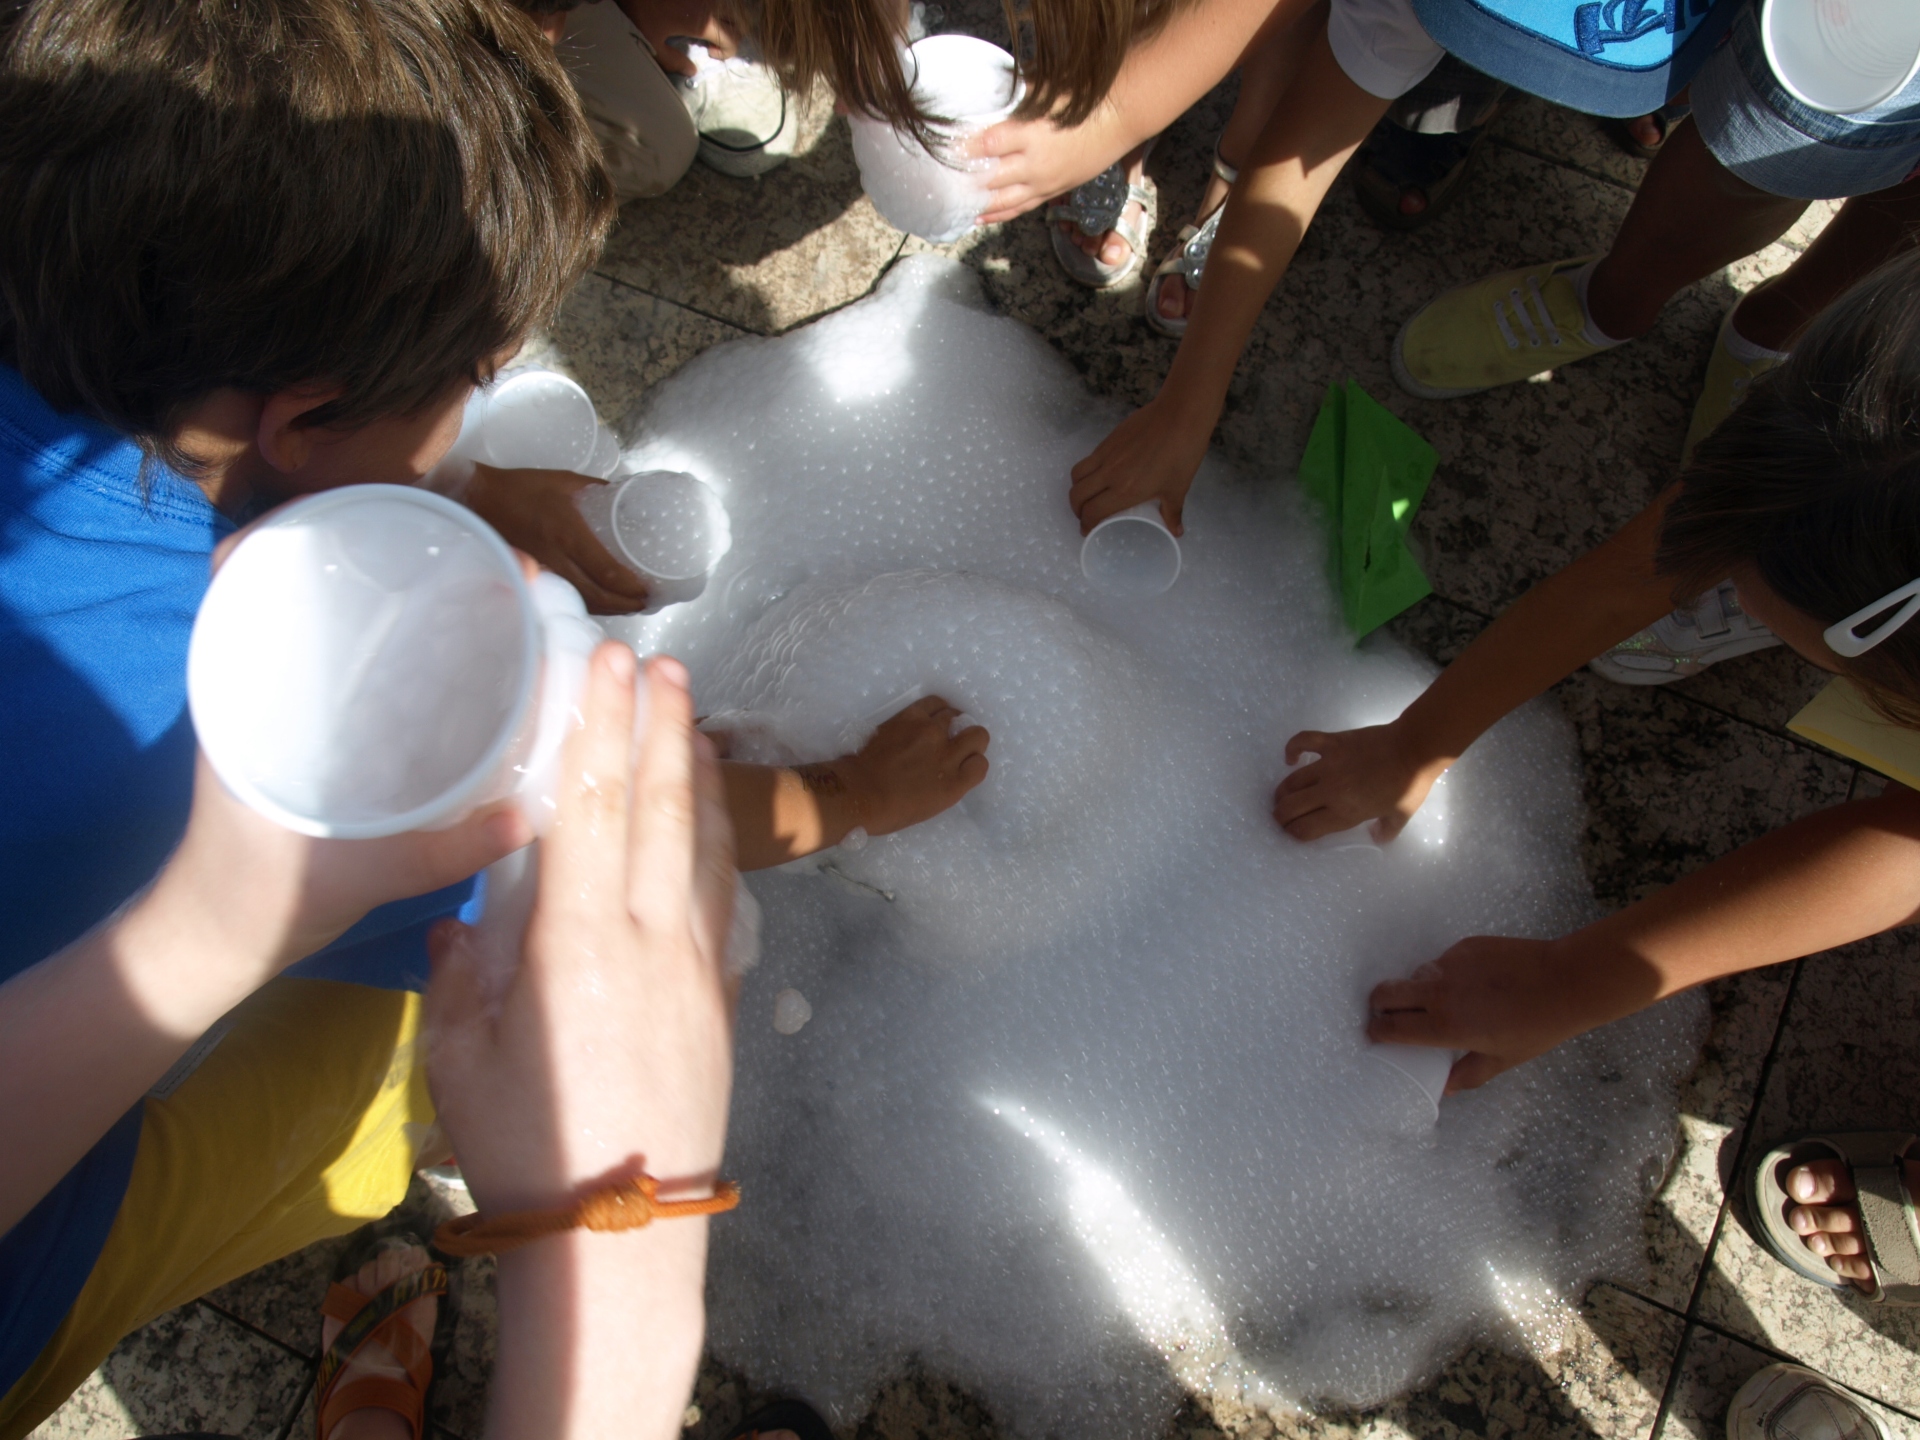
x=1082, y=1115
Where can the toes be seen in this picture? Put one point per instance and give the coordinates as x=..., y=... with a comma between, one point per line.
x=1832, y=1219
x=1818, y=1182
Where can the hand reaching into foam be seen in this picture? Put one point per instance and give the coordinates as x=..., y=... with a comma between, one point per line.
x=534, y=511
x=1151, y=455
x=1503, y=1001
x=1357, y=776
x=911, y=769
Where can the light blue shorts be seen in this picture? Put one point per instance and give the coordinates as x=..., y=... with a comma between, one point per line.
x=1770, y=140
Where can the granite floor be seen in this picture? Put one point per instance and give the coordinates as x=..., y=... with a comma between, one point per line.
x=1529, y=477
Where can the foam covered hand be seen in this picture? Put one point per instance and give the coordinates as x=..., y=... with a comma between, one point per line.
x=1503, y=1001
x=611, y=1049
x=1153, y=454
x=534, y=511
x=911, y=769
x=1357, y=776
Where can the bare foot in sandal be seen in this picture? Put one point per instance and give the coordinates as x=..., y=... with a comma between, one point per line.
x=1828, y=1221
x=1110, y=247
x=376, y=1363
x=1173, y=298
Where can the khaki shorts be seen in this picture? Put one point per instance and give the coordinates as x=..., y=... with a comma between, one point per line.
x=646, y=136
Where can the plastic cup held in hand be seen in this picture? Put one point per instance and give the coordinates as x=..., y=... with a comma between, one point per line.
x=1842, y=56
x=532, y=420
x=1426, y=1066
x=967, y=84
x=669, y=528
x=1132, y=553
x=370, y=660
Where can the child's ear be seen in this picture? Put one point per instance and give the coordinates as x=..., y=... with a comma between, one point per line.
x=285, y=443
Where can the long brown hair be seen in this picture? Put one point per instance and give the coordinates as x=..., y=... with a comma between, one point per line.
x=1067, y=51
x=1815, y=480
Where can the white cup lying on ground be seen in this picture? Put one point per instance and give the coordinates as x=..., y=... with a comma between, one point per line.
x=1842, y=56
x=969, y=84
x=370, y=660
x=668, y=527
x=1132, y=553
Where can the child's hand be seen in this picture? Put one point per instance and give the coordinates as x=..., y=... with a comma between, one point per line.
x=1361, y=775
x=271, y=896
x=1036, y=160
x=1151, y=455
x=611, y=1049
x=910, y=770
x=534, y=511
x=1505, y=1001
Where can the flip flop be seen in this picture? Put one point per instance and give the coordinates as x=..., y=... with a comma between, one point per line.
x=1094, y=209
x=1887, y=1218
x=795, y=1415
x=366, y=1319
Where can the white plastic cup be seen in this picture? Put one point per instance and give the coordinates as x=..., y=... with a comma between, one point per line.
x=1842, y=56
x=370, y=660
x=531, y=420
x=937, y=194
x=1425, y=1065
x=1132, y=553
x=668, y=527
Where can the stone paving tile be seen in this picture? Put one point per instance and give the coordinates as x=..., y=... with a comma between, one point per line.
x=619, y=342
x=1584, y=142
x=1712, y=1367
x=283, y=1299
x=1845, y=1060
x=1599, y=1373
x=764, y=254
x=1765, y=689
x=192, y=1369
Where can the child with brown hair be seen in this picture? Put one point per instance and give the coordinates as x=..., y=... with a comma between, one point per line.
x=1808, y=496
x=255, y=250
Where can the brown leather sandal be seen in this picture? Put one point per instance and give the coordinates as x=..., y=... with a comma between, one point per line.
x=369, y=1319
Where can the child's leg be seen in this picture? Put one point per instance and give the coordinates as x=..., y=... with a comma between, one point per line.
x=302, y=1124
x=1155, y=451
x=1868, y=231
x=1266, y=68
x=1692, y=216
x=1266, y=71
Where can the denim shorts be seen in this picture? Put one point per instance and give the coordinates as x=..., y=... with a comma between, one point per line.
x=1772, y=141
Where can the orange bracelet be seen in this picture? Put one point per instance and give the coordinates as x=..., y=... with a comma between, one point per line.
x=623, y=1205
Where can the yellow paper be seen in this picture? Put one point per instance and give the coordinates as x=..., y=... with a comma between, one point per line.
x=1840, y=718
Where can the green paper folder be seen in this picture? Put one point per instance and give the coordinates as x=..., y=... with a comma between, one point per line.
x=1368, y=473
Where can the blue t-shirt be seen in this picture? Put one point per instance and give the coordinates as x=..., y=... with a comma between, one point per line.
x=103, y=562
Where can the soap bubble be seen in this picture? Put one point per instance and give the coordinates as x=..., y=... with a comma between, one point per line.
x=1084, y=1116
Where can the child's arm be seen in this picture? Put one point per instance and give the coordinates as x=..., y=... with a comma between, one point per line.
x=1833, y=877
x=1155, y=451
x=534, y=512
x=909, y=771
x=1383, y=773
x=85, y=1033
x=1159, y=81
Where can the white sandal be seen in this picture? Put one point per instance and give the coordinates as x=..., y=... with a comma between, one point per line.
x=1095, y=208
x=1189, y=256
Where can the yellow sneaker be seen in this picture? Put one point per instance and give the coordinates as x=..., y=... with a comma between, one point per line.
x=1728, y=379
x=1493, y=332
